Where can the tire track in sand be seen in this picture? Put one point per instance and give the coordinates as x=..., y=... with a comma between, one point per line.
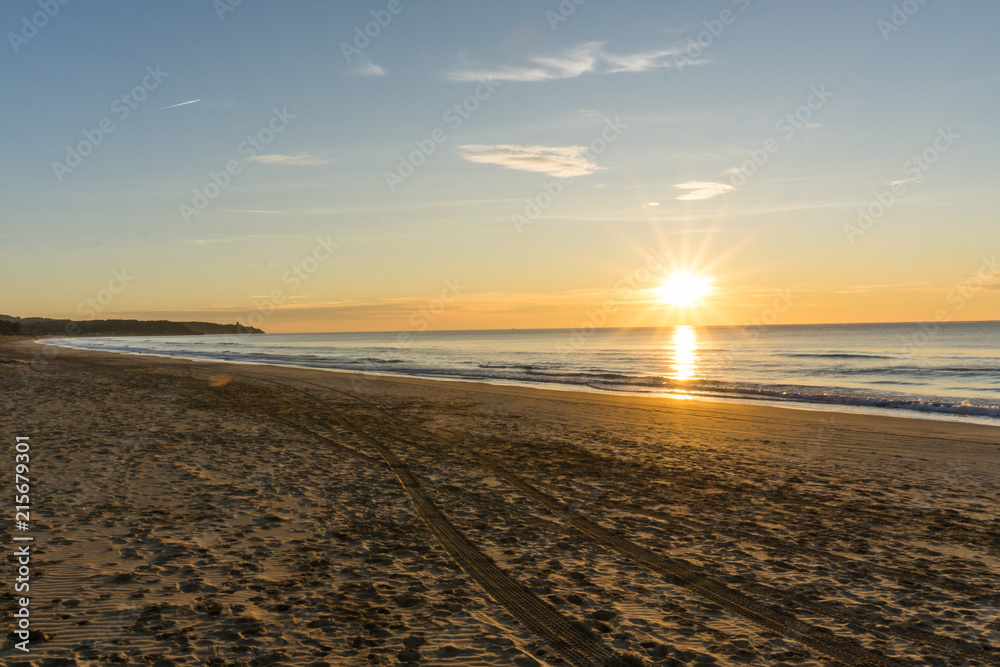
x=572, y=640
x=676, y=571
x=693, y=578
x=842, y=612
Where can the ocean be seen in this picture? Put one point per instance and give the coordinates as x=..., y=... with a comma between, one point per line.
x=948, y=370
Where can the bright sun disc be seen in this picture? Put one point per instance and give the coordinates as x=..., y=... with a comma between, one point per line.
x=684, y=289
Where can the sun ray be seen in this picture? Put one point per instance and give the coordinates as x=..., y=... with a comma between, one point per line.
x=684, y=289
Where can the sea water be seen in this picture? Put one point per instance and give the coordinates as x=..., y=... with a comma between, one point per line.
x=949, y=369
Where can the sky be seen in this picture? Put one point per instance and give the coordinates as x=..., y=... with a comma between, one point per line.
x=403, y=165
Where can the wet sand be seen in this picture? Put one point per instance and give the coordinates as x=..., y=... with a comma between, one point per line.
x=191, y=513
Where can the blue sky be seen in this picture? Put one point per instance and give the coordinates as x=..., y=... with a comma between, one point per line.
x=687, y=117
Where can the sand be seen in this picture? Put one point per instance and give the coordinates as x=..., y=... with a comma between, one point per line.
x=191, y=513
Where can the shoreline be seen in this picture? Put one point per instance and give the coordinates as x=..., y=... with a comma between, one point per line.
x=788, y=404
x=196, y=511
x=751, y=411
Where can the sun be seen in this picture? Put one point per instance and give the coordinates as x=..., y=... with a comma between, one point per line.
x=684, y=289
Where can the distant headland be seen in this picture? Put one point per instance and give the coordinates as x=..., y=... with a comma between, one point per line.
x=44, y=326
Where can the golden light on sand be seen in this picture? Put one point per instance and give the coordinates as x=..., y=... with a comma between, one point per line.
x=684, y=348
x=684, y=289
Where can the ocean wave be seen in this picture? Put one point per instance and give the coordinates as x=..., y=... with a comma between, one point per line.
x=835, y=355
x=826, y=397
x=962, y=369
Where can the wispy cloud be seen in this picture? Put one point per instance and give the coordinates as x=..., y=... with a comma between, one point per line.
x=561, y=161
x=905, y=286
x=233, y=239
x=696, y=190
x=590, y=57
x=301, y=159
x=365, y=67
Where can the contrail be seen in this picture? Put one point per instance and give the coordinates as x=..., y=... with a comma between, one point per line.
x=178, y=105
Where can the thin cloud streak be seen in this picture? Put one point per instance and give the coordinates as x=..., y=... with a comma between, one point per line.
x=590, y=57
x=700, y=190
x=299, y=160
x=365, y=67
x=561, y=161
x=179, y=105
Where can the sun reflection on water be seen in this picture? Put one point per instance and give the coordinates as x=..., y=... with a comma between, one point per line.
x=684, y=354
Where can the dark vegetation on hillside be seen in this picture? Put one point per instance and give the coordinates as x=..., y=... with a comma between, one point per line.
x=44, y=326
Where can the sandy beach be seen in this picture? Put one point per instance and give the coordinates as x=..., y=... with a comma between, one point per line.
x=193, y=513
